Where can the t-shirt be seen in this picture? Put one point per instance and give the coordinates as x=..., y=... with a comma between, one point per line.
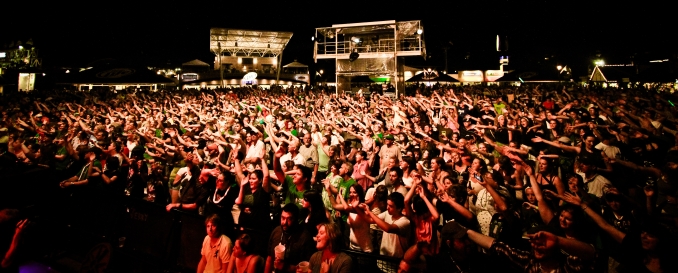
x=292, y=195
x=360, y=236
x=218, y=255
x=395, y=244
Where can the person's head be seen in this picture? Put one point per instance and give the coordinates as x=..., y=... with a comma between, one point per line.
x=346, y=169
x=570, y=218
x=654, y=238
x=255, y=179
x=302, y=174
x=529, y=194
x=478, y=165
x=312, y=200
x=307, y=139
x=448, y=181
x=221, y=182
x=437, y=163
x=454, y=240
x=589, y=140
x=356, y=192
x=395, y=203
x=360, y=156
x=329, y=238
x=293, y=147
x=394, y=174
x=113, y=163
x=289, y=216
x=613, y=201
x=212, y=225
x=243, y=246
x=544, y=165
x=575, y=183
x=336, y=165
x=392, y=162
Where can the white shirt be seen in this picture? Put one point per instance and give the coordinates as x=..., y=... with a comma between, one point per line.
x=256, y=150
x=298, y=159
x=395, y=244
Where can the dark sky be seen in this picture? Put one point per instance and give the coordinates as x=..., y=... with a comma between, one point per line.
x=74, y=34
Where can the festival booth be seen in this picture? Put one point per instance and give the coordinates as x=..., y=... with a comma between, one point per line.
x=613, y=75
x=115, y=78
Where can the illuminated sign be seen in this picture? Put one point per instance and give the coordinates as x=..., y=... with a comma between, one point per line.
x=189, y=76
x=472, y=73
x=250, y=76
x=3, y=54
x=114, y=73
x=472, y=76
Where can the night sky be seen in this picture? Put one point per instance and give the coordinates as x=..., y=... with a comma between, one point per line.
x=154, y=34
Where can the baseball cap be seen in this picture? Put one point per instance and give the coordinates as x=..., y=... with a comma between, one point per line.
x=452, y=230
x=389, y=137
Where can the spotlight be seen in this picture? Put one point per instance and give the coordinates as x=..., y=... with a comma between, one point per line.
x=420, y=31
x=312, y=38
x=354, y=56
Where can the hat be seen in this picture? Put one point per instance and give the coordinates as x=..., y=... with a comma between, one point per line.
x=389, y=137
x=452, y=230
x=564, y=139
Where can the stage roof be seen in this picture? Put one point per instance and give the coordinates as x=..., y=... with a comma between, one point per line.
x=248, y=42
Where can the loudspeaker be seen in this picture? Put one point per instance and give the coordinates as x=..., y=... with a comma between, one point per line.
x=354, y=56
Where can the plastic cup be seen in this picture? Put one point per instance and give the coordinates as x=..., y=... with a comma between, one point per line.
x=279, y=252
x=303, y=266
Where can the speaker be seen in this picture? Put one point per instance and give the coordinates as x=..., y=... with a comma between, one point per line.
x=354, y=56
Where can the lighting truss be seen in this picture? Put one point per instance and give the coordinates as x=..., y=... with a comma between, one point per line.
x=239, y=42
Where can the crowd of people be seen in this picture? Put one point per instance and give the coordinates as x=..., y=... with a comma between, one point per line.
x=450, y=179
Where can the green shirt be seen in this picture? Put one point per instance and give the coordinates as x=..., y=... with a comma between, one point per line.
x=292, y=195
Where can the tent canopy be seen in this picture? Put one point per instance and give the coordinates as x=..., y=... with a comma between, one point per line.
x=295, y=64
x=195, y=62
x=435, y=77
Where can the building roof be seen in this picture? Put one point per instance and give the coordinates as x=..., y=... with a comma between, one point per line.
x=114, y=75
x=195, y=62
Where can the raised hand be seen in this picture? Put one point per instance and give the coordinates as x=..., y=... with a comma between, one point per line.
x=572, y=199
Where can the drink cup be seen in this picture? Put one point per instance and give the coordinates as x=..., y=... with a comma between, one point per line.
x=303, y=266
x=279, y=252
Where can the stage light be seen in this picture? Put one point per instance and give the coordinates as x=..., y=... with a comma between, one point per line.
x=21, y=47
x=560, y=67
x=321, y=71
x=354, y=56
x=420, y=31
x=312, y=38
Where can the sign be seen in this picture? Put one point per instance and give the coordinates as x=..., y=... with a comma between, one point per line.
x=250, y=76
x=114, y=73
x=472, y=76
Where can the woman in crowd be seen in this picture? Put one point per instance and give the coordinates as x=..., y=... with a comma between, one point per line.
x=329, y=258
x=244, y=258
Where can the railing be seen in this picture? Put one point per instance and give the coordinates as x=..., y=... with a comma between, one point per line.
x=382, y=46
